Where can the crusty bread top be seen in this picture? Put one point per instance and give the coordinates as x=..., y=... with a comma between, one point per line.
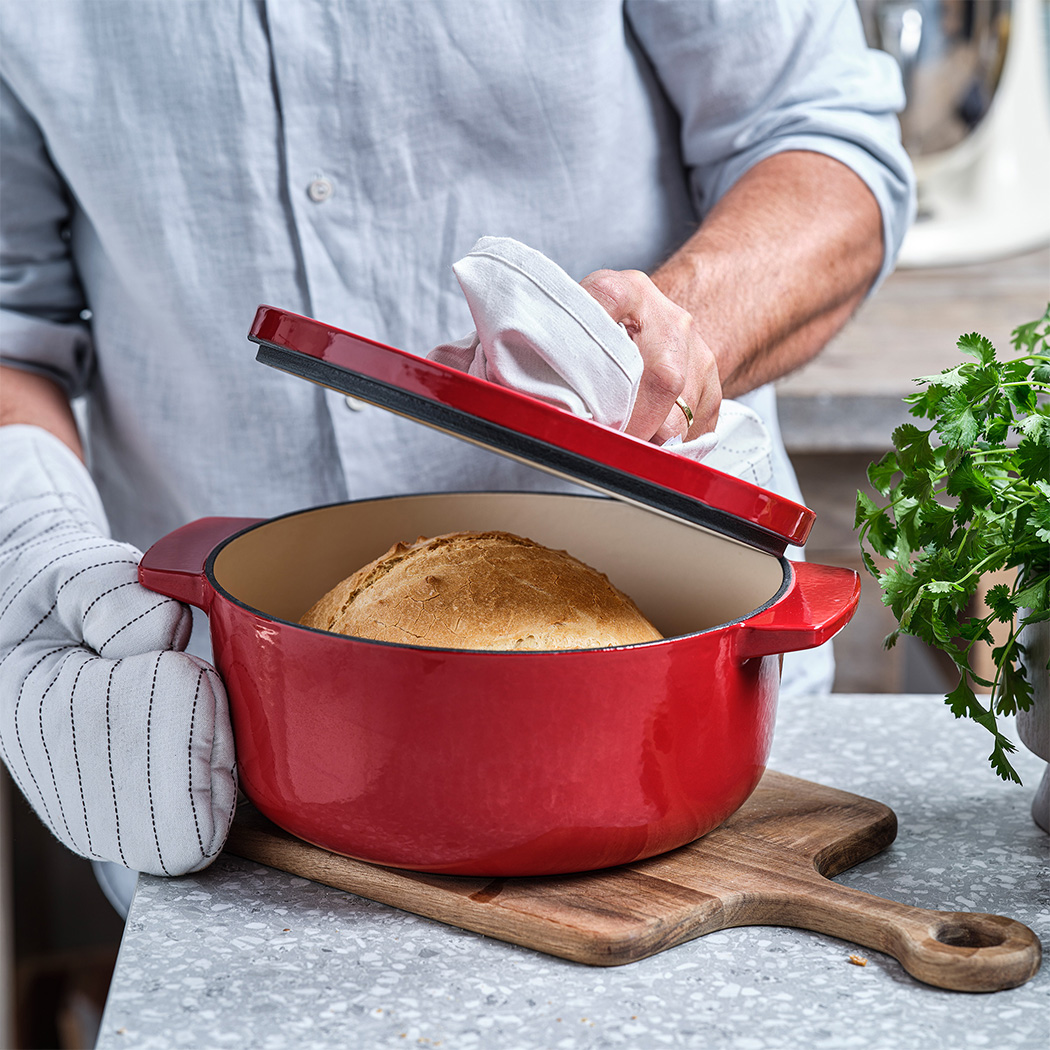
x=481, y=590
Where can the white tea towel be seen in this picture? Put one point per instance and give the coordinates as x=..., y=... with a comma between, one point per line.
x=541, y=333
x=119, y=740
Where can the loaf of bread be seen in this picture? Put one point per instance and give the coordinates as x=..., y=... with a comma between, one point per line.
x=481, y=590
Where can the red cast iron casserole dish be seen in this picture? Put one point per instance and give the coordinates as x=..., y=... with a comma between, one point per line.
x=505, y=763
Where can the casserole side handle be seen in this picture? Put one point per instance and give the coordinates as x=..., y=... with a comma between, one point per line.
x=819, y=603
x=174, y=565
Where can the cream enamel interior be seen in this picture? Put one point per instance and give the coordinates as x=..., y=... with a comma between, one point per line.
x=685, y=579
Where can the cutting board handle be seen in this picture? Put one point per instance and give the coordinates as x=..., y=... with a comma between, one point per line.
x=962, y=951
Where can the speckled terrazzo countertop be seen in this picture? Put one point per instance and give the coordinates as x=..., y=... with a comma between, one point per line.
x=246, y=957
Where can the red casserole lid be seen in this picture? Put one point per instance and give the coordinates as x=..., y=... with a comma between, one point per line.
x=528, y=429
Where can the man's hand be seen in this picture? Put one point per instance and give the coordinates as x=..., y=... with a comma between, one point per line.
x=773, y=272
x=678, y=364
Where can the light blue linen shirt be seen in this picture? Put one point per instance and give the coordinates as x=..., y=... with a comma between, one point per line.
x=167, y=166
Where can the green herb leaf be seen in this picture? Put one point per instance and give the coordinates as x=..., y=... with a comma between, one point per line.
x=991, y=466
x=1040, y=519
x=950, y=378
x=1036, y=428
x=977, y=346
x=880, y=531
x=970, y=485
x=958, y=424
x=869, y=564
x=881, y=474
x=1032, y=597
x=999, y=601
x=1014, y=687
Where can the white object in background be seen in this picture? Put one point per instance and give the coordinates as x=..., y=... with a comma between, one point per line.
x=989, y=196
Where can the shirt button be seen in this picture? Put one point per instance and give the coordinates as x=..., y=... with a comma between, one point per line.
x=352, y=402
x=319, y=190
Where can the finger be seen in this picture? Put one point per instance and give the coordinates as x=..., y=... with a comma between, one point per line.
x=678, y=365
x=703, y=395
x=622, y=294
x=664, y=341
x=656, y=416
x=676, y=424
x=661, y=331
x=705, y=412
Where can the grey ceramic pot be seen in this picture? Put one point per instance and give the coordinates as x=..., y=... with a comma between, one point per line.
x=1033, y=725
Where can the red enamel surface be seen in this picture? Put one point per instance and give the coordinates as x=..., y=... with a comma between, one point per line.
x=495, y=763
x=492, y=763
x=526, y=415
x=819, y=603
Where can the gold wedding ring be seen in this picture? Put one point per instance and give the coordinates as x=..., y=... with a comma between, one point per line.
x=686, y=410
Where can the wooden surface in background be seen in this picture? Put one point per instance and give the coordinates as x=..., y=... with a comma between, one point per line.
x=909, y=327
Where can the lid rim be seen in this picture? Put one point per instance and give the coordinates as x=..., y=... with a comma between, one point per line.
x=506, y=441
x=530, y=429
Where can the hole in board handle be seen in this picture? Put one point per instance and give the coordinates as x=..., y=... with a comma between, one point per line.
x=959, y=935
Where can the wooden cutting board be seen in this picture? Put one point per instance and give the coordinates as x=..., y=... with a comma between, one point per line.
x=768, y=865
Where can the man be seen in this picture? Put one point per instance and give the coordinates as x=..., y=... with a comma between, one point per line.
x=167, y=167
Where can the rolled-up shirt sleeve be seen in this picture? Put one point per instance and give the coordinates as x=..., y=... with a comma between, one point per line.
x=41, y=300
x=751, y=78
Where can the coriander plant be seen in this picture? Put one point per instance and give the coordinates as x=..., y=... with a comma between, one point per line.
x=967, y=496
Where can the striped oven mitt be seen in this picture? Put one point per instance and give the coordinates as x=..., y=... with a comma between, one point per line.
x=119, y=740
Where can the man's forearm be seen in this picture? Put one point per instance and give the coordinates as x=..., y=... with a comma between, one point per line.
x=29, y=398
x=778, y=266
